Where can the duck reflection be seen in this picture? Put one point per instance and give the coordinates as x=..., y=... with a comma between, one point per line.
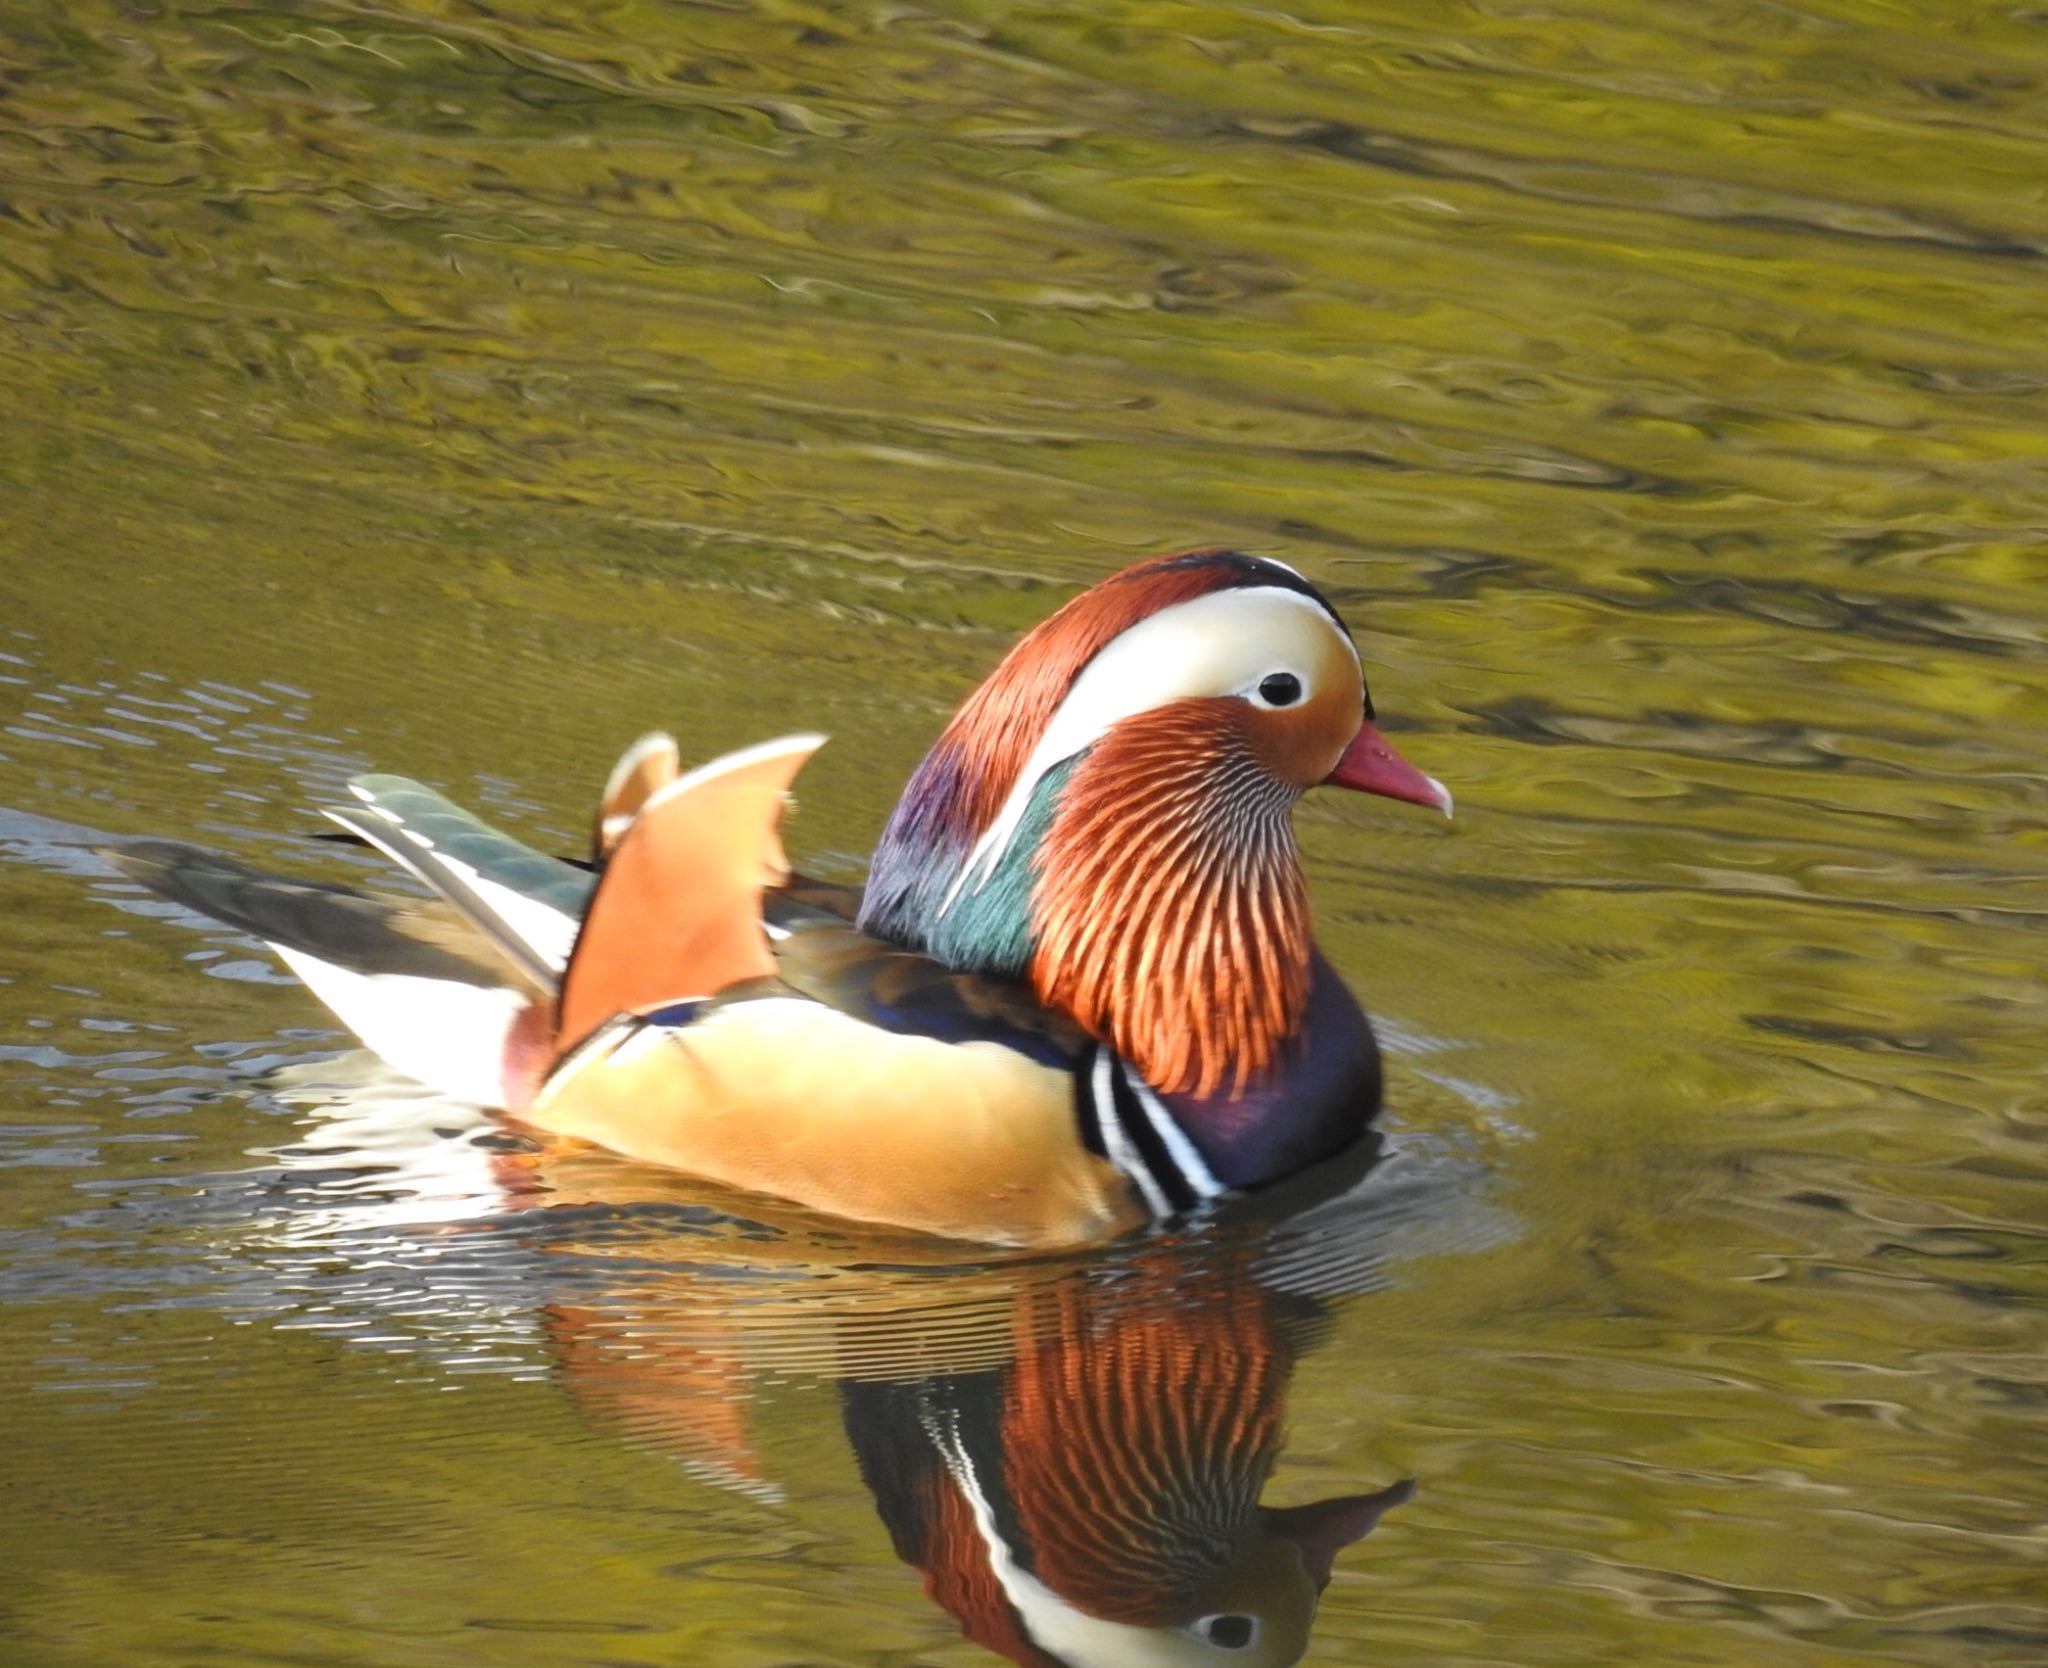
x=1095, y=1500
x=1071, y=1452
x=1072, y=1456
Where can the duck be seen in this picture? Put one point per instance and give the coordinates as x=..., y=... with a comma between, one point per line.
x=1078, y=994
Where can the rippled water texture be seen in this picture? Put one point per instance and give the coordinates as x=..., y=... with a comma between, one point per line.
x=464, y=389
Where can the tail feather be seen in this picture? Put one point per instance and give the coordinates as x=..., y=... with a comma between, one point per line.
x=462, y=991
x=526, y=902
x=358, y=930
x=412, y=978
x=465, y=837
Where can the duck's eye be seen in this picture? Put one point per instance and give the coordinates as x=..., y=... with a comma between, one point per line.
x=1279, y=689
x=1232, y=1632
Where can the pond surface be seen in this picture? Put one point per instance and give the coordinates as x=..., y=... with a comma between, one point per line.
x=1661, y=389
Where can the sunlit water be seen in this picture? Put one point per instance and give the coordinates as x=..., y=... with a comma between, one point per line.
x=1661, y=390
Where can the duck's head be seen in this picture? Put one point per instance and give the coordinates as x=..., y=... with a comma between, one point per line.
x=1108, y=813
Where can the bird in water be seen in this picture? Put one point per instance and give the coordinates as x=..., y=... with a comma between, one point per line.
x=1079, y=992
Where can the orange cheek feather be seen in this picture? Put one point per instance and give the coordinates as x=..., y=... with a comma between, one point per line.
x=1301, y=745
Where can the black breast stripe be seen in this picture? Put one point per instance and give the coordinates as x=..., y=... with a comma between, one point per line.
x=1115, y=1125
x=1151, y=1150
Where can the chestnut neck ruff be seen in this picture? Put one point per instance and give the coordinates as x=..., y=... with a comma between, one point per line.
x=1170, y=915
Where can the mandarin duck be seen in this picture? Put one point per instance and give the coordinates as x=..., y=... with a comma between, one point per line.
x=1079, y=992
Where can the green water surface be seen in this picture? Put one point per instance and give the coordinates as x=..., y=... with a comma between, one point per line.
x=1660, y=389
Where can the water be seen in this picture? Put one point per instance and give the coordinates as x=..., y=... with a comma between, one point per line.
x=463, y=390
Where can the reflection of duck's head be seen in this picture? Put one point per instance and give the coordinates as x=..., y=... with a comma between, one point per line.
x=1096, y=1501
x=1251, y=1609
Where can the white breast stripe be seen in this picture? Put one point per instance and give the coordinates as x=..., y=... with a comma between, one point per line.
x=1116, y=1143
x=1186, y=1156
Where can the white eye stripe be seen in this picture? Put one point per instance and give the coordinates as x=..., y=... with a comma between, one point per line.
x=1224, y=643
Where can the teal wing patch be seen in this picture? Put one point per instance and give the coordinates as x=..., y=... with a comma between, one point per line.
x=468, y=839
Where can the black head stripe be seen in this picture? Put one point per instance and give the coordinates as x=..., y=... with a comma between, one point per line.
x=1244, y=573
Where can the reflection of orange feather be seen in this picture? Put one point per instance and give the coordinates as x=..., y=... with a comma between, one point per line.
x=1136, y=1443
x=677, y=914
x=685, y=1397
x=1171, y=914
